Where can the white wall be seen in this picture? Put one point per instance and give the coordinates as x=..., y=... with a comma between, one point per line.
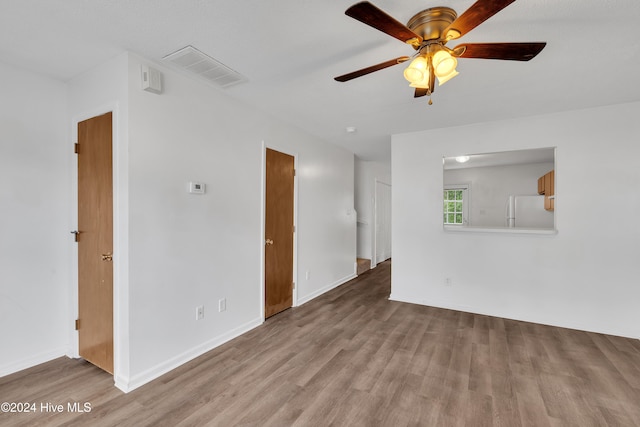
x=189, y=250
x=35, y=243
x=366, y=174
x=584, y=277
x=490, y=187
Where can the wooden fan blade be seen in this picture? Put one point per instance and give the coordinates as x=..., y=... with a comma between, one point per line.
x=507, y=51
x=369, y=14
x=377, y=67
x=420, y=92
x=479, y=12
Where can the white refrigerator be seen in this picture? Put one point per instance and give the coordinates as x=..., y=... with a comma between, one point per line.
x=528, y=212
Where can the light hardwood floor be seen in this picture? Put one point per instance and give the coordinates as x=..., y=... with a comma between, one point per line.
x=353, y=358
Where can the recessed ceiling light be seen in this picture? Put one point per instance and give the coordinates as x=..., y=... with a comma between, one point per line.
x=351, y=129
x=462, y=159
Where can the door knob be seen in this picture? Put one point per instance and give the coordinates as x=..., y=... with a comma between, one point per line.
x=269, y=242
x=107, y=257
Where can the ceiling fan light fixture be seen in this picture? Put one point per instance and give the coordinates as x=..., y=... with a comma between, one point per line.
x=443, y=63
x=423, y=83
x=413, y=75
x=417, y=70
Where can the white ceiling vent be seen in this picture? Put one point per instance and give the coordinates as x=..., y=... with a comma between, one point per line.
x=195, y=62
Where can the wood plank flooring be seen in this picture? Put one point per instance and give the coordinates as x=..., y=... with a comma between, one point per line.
x=353, y=358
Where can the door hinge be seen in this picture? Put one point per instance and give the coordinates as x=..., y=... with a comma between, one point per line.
x=77, y=324
x=293, y=285
x=294, y=228
x=294, y=172
x=76, y=148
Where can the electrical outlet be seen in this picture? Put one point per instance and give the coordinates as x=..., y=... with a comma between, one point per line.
x=307, y=275
x=200, y=312
x=222, y=305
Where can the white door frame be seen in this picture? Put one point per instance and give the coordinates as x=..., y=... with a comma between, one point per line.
x=374, y=255
x=120, y=158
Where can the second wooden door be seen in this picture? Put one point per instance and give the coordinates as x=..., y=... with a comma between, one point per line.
x=278, y=232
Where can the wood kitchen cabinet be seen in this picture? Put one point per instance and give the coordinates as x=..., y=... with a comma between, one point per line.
x=541, y=185
x=546, y=186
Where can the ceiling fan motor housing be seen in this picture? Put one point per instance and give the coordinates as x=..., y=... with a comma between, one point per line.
x=431, y=23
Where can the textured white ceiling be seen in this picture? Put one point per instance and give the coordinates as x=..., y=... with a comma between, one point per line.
x=290, y=50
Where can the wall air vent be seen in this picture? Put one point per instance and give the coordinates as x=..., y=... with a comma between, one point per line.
x=199, y=64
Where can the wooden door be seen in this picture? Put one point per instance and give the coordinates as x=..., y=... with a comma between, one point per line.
x=278, y=254
x=95, y=241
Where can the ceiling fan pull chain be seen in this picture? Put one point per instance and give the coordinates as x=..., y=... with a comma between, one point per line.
x=430, y=101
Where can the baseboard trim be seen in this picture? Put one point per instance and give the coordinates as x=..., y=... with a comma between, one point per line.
x=327, y=288
x=32, y=361
x=130, y=384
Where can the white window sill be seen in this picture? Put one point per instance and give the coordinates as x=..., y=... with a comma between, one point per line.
x=514, y=230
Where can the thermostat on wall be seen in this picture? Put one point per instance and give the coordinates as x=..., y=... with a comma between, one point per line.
x=196, y=187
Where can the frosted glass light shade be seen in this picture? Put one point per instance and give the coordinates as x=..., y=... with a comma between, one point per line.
x=443, y=63
x=424, y=83
x=416, y=71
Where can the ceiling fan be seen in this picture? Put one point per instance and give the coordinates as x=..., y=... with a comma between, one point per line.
x=428, y=32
